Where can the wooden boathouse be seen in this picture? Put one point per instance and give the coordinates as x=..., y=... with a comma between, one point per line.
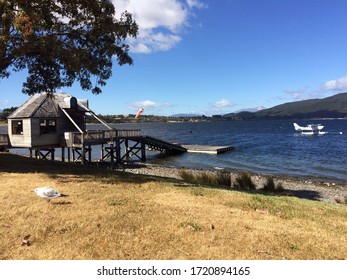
x=50, y=121
x=47, y=122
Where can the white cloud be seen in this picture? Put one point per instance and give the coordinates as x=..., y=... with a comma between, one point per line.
x=160, y=22
x=336, y=85
x=223, y=103
x=196, y=4
x=151, y=41
x=297, y=94
x=148, y=104
x=327, y=88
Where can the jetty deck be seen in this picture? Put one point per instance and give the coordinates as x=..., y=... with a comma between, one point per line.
x=208, y=149
x=116, y=146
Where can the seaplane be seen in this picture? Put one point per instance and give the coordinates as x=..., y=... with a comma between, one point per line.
x=312, y=129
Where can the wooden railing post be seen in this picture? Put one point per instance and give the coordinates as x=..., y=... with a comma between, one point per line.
x=83, y=149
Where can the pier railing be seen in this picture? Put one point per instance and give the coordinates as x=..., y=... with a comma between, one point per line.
x=94, y=137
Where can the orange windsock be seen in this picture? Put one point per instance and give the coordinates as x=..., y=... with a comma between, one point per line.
x=139, y=113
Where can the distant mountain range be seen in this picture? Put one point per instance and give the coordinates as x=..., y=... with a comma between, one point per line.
x=331, y=107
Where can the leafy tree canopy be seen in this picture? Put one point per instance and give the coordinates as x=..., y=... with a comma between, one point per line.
x=63, y=41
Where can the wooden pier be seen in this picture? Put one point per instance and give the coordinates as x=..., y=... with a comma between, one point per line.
x=214, y=150
x=117, y=146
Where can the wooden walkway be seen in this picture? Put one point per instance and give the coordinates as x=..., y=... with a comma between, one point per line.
x=116, y=146
x=214, y=150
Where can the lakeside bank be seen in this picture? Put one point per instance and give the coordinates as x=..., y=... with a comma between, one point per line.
x=301, y=188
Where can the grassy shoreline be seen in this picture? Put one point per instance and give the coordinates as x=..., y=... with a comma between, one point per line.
x=120, y=215
x=300, y=187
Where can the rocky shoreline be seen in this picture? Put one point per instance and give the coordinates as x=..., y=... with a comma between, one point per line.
x=307, y=189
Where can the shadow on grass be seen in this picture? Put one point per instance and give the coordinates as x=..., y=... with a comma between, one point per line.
x=306, y=194
x=303, y=194
x=13, y=163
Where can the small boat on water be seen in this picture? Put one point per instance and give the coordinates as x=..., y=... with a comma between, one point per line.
x=312, y=129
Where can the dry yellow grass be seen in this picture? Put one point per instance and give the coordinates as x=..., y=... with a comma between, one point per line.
x=113, y=215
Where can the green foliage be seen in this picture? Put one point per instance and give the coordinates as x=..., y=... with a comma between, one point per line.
x=270, y=186
x=187, y=176
x=223, y=178
x=219, y=178
x=6, y=112
x=61, y=42
x=244, y=181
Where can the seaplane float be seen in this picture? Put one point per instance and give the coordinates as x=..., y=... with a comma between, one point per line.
x=312, y=129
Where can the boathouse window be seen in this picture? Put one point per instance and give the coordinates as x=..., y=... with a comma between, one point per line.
x=17, y=127
x=48, y=126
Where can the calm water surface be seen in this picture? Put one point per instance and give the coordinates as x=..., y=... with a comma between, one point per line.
x=266, y=147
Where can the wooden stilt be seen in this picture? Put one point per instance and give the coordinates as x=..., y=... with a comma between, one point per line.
x=68, y=154
x=143, y=151
x=112, y=152
x=89, y=153
x=118, y=151
x=62, y=154
x=83, y=154
x=126, y=142
x=102, y=151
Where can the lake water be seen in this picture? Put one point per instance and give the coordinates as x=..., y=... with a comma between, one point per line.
x=266, y=147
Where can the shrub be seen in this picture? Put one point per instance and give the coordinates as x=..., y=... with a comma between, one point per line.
x=279, y=188
x=270, y=186
x=223, y=178
x=219, y=178
x=205, y=178
x=187, y=175
x=244, y=181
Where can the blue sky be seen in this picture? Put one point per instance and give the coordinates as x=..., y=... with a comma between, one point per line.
x=220, y=56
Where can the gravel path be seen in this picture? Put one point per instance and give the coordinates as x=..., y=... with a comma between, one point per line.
x=309, y=189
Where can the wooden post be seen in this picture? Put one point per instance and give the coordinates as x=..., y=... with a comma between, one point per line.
x=126, y=142
x=52, y=153
x=89, y=153
x=118, y=151
x=112, y=152
x=143, y=150
x=37, y=154
x=83, y=149
x=68, y=154
x=62, y=154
